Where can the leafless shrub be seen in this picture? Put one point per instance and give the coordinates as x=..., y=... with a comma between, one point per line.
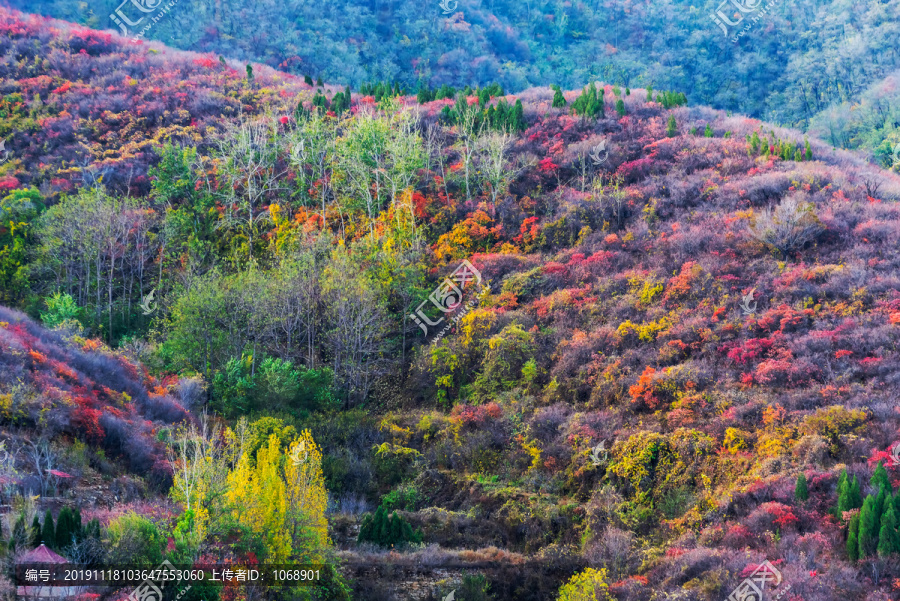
x=787, y=228
x=614, y=550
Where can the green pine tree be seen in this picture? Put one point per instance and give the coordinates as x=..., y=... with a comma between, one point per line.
x=366, y=530
x=671, y=127
x=48, y=533
x=249, y=73
x=880, y=479
x=620, y=107
x=518, y=117
x=64, y=528
x=77, y=525
x=559, y=100
x=628, y=91
x=19, y=534
x=35, y=531
x=649, y=94
x=319, y=81
x=868, y=532
x=888, y=537
x=708, y=131
x=856, y=499
x=308, y=80
x=396, y=529
x=801, y=490
x=853, y=539
x=807, y=151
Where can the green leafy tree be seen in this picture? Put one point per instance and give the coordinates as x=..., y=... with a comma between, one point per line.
x=61, y=309
x=18, y=212
x=708, y=131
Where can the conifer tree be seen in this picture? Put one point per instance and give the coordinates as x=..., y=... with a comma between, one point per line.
x=77, y=526
x=518, y=117
x=708, y=131
x=801, y=490
x=880, y=479
x=48, y=533
x=319, y=81
x=64, y=528
x=559, y=100
x=308, y=80
x=856, y=499
x=853, y=539
x=807, y=154
x=249, y=73
x=868, y=533
x=620, y=107
x=649, y=94
x=888, y=537
x=35, y=531
x=19, y=534
x=754, y=144
x=671, y=127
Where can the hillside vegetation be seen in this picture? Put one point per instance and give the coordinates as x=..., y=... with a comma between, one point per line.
x=785, y=62
x=681, y=363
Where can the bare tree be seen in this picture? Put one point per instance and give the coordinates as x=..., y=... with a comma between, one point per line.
x=493, y=160
x=611, y=198
x=43, y=459
x=247, y=172
x=787, y=228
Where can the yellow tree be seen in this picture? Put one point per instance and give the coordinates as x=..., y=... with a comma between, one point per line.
x=282, y=499
x=306, y=498
x=256, y=496
x=589, y=585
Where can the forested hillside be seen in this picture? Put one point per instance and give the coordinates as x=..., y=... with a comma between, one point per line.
x=603, y=343
x=786, y=62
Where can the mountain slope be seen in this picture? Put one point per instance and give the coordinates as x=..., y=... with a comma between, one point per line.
x=687, y=311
